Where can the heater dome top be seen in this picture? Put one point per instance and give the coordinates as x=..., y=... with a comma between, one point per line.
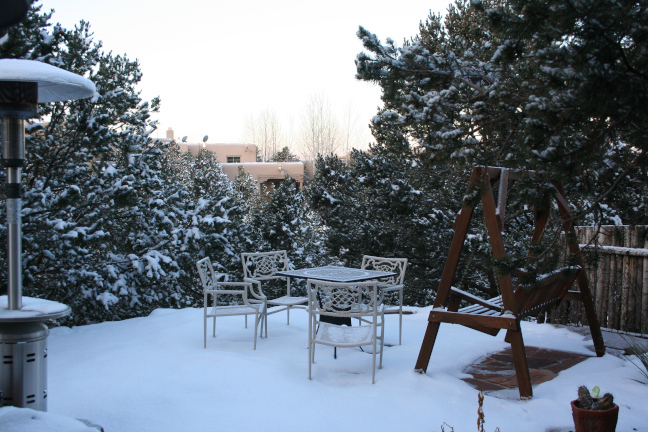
x=33, y=309
x=54, y=84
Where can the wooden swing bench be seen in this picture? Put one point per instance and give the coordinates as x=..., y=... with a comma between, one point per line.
x=490, y=316
x=506, y=311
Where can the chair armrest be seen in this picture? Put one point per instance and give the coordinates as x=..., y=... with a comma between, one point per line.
x=258, y=292
x=247, y=285
x=387, y=287
x=456, y=292
x=213, y=291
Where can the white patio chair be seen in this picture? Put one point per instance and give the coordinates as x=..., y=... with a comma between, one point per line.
x=389, y=284
x=235, y=300
x=345, y=300
x=263, y=266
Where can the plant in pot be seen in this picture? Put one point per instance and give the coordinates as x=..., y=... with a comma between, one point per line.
x=593, y=413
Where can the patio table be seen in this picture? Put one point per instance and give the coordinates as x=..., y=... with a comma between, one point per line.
x=336, y=274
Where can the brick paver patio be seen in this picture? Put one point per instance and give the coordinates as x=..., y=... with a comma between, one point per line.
x=496, y=371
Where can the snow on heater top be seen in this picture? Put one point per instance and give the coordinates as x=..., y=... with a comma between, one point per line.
x=54, y=84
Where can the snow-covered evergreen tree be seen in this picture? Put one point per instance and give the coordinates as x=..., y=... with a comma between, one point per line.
x=113, y=221
x=92, y=175
x=332, y=194
x=284, y=155
x=516, y=84
x=214, y=217
x=282, y=221
x=552, y=86
x=385, y=202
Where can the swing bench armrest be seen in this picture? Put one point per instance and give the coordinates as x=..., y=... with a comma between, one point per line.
x=573, y=295
x=463, y=295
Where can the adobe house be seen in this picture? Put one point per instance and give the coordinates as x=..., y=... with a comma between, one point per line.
x=233, y=156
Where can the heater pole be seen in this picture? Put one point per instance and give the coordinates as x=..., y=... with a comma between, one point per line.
x=13, y=158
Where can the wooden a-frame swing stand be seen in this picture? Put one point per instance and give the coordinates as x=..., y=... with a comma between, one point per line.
x=506, y=311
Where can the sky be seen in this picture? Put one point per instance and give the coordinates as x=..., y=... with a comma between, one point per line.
x=216, y=63
x=152, y=374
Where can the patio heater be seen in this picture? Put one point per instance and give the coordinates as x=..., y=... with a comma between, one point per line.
x=23, y=335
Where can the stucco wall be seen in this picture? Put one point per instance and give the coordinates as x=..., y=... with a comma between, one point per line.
x=267, y=171
x=247, y=152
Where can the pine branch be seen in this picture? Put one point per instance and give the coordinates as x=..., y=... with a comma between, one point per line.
x=611, y=189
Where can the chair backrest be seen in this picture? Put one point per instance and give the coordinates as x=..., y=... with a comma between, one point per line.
x=264, y=265
x=206, y=272
x=342, y=299
x=547, y=290
x=396, y=265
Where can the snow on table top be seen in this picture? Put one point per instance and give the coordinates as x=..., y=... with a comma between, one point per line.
x=336, y=274
x=31, y=308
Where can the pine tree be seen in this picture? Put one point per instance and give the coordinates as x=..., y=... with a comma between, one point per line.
x=555, y=87
x=585, y=91
x=334, y=196
x=102, y=212
x=284, y=155
x=282, y=221
x=214, y=218
x=385, y=203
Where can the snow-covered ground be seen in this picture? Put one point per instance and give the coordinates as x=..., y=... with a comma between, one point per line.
x=153, y=374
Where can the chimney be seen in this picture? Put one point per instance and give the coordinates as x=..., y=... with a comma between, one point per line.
x=169, y=133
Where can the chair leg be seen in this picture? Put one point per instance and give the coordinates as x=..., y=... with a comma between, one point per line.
x=400, y=316
x=256, y=327
x=310, y=359
x=288, y=315
x=520, y=363
x=382, y=342
x=373, y=366
x=311, y=352
x=205, y=333
x=214, y=332
x=245, y=321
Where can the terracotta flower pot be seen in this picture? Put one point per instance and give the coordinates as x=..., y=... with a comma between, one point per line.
x=594, y=421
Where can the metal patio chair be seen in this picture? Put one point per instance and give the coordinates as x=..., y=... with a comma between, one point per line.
x=359, y=300
x=389, y=284
x=234, y=300
x=263, y=266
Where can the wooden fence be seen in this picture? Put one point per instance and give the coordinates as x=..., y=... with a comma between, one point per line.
x=616, y=260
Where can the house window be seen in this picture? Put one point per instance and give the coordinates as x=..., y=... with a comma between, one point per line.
x=233, y=159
